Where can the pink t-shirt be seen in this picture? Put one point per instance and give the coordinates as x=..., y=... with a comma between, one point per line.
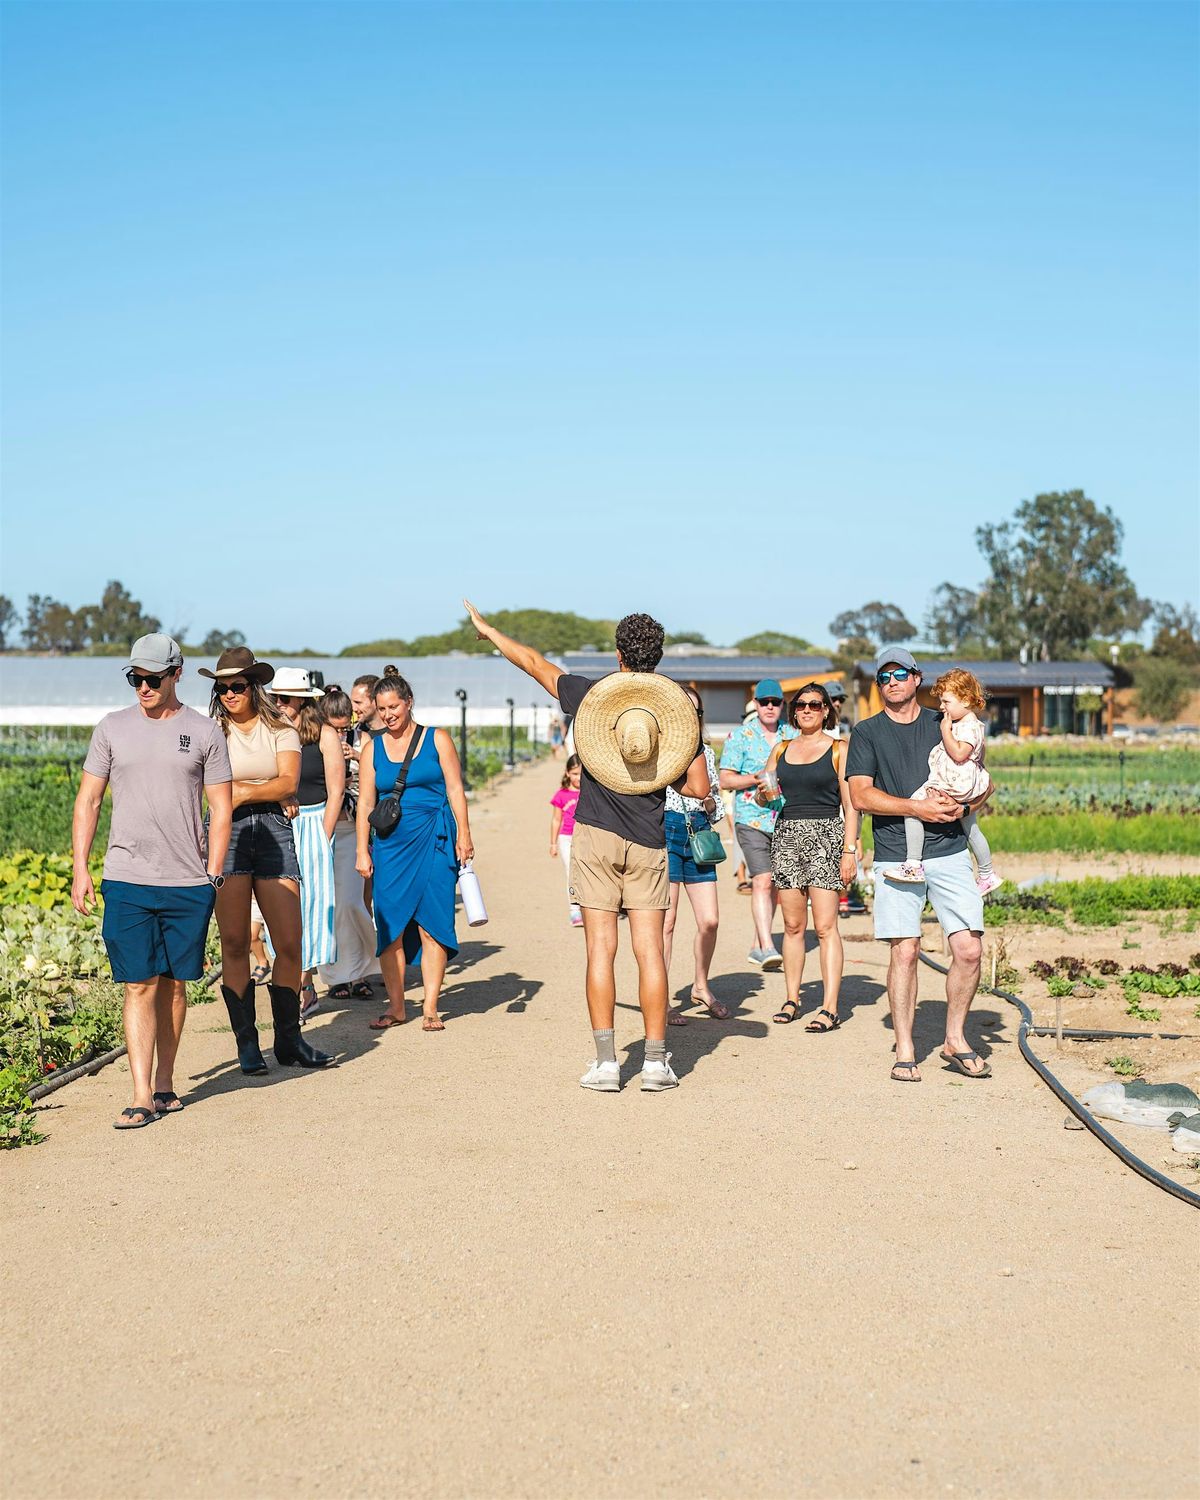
x=567, y=798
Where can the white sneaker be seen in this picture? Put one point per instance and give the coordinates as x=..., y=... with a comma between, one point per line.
x=657, y=1076
x=907, y=874
x=605, y=1077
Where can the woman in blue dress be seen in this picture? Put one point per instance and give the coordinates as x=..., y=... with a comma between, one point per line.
x=414, y=868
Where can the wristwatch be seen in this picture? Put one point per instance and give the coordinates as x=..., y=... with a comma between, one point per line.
x=216, y=881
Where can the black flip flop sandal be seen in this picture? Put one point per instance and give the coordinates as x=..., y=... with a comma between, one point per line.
x=834, y=1022
x=955, y=1060
x=148, y=1117
x=361, y=990
x=782, y=1017
x=167, y=1104
x=340, y=992
x=909, y=1068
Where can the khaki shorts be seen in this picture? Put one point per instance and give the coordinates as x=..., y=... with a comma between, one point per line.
x=608, y=873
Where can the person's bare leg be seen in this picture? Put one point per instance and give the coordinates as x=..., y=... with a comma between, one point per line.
x=966, y=950
x=279, y=902
x=675, y=1016
x=762, y=904
x=646, y=937
x=433, y=974
x=794, y=906
x=391, y=966
x=233, y=923
x=825, y=922
x=170, y=1007
x=703, y=897
x=902, y=995
x=257, y=951
x=141, y=1029
x=600, y=935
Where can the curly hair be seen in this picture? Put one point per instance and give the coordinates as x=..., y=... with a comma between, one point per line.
x=964, y=685
x=639, y=639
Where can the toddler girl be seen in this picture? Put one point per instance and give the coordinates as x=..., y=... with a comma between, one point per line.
x=955, y=766
x=562, y=826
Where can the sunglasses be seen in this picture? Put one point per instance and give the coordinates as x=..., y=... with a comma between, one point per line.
x=771, y=702
x=236, y=688
x=810, y=705
x=898, y=674
x=151, y=679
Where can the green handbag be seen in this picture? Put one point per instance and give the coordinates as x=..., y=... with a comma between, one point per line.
x=705, y=843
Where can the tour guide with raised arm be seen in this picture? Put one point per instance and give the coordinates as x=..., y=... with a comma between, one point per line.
x=636, y=733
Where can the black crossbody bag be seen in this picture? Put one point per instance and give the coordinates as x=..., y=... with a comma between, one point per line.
x=384, y=816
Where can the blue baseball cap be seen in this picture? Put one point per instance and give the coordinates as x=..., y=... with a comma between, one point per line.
x=767, y=688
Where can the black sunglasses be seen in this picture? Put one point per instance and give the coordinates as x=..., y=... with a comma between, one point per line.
x=771, y=702
x=897, y=674
x=814, y=704
x=237, y=688
x=151, y=679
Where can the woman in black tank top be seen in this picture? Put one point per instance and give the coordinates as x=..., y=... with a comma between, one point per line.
x=322, y=787
x=812, y=848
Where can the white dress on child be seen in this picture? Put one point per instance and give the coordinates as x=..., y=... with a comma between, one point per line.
x=968, y=780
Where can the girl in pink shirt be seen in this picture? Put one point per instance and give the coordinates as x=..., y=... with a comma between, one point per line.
x=562, y=826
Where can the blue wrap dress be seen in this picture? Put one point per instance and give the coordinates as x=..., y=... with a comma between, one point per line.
x=416, y=866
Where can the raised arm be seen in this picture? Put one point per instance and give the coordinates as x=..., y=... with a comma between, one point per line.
x=543, y=672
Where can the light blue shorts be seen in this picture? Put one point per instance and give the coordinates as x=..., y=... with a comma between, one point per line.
x=950, y=888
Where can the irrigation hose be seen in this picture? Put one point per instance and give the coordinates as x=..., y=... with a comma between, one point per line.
x=1135, y=1163
x=94, y=1064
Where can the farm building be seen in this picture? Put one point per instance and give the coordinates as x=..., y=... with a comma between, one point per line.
x=1037, y=697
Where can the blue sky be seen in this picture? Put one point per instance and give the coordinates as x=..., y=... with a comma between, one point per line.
x=317, y=317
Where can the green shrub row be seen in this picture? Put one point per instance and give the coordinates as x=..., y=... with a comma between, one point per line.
x=1088, y=833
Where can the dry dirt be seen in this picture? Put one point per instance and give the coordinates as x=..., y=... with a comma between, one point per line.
x=444, y=1269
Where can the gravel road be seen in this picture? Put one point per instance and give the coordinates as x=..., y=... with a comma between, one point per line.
x=443, y=1269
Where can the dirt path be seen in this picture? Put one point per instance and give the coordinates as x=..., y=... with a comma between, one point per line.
x=444, y=1269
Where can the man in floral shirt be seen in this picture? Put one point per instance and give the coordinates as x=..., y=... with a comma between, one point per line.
x=742, y=763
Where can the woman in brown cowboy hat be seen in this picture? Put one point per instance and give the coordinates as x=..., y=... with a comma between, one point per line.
x=264, y=751
x=636, y=733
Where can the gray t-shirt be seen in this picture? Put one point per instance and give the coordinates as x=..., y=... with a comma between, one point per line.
x=896, y=758
x=156, y=768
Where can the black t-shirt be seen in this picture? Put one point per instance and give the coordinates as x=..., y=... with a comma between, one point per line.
x=896, y=758
x=636, y=816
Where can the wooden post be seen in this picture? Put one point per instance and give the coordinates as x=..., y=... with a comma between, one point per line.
x=1058, y=1022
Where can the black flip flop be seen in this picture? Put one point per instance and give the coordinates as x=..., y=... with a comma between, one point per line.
x=148, y=1117
x=834, y=1023
x=955, y=1060
x=167, y=1104
x=909, y=1068
x=340, y=992
x=781, y=1017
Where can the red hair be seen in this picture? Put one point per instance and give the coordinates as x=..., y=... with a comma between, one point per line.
x=964, y=685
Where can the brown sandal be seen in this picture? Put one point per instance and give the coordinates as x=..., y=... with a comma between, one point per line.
x=385, y=1022
x=432, y=1023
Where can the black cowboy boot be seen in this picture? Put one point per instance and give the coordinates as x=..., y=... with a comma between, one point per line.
x=245, y=1033
x=291, y=1050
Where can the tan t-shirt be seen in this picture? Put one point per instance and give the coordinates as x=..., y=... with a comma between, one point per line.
x=253, y=752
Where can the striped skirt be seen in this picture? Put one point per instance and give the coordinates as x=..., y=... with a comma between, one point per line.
x=315, y=853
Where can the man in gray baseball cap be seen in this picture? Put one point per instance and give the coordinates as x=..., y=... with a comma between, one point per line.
x=156, y=653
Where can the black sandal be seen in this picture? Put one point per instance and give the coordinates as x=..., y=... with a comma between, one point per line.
x=148, y=1117
x=340, y=992
x=908, y=1067
x=786, y=1013
x=816, y=1026
x=167, y=1103
x=361, y=990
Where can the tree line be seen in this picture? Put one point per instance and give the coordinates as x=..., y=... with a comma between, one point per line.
x=105, y=629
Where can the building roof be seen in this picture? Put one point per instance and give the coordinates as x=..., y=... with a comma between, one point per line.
x=731, y=669
x=1017, y=674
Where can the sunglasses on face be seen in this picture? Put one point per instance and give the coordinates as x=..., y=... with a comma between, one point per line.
x=898, y=674
x=810, y=705
x=771, y=702
x=236, y=688
x=151, y=679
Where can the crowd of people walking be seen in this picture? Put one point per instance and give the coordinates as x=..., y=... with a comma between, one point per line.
x=340, y=824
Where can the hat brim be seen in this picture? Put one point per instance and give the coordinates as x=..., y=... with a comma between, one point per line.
x=669, y=706
x=287, y=692
x=261, y=672
x=141, y=665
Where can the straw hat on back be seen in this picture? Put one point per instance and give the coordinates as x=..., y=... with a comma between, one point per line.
x=636, y=732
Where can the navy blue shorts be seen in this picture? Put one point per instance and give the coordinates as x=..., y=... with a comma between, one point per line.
x=682, y=869
x=154, y=931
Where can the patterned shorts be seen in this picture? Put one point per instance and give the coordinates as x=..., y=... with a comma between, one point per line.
x=807, y=851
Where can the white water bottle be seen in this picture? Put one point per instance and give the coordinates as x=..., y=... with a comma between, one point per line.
x=472, y=896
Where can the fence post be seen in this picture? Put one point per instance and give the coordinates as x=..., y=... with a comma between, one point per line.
x=461, y=695
x=512, y=736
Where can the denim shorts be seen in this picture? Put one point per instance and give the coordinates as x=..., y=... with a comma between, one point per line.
x=951, y=890
x=682, y=869
x=262, y=844
x=155, y=931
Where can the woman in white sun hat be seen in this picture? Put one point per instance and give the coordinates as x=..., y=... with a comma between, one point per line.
x=322, y=787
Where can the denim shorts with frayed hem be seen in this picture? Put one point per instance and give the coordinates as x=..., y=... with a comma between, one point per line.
x=262, y=844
